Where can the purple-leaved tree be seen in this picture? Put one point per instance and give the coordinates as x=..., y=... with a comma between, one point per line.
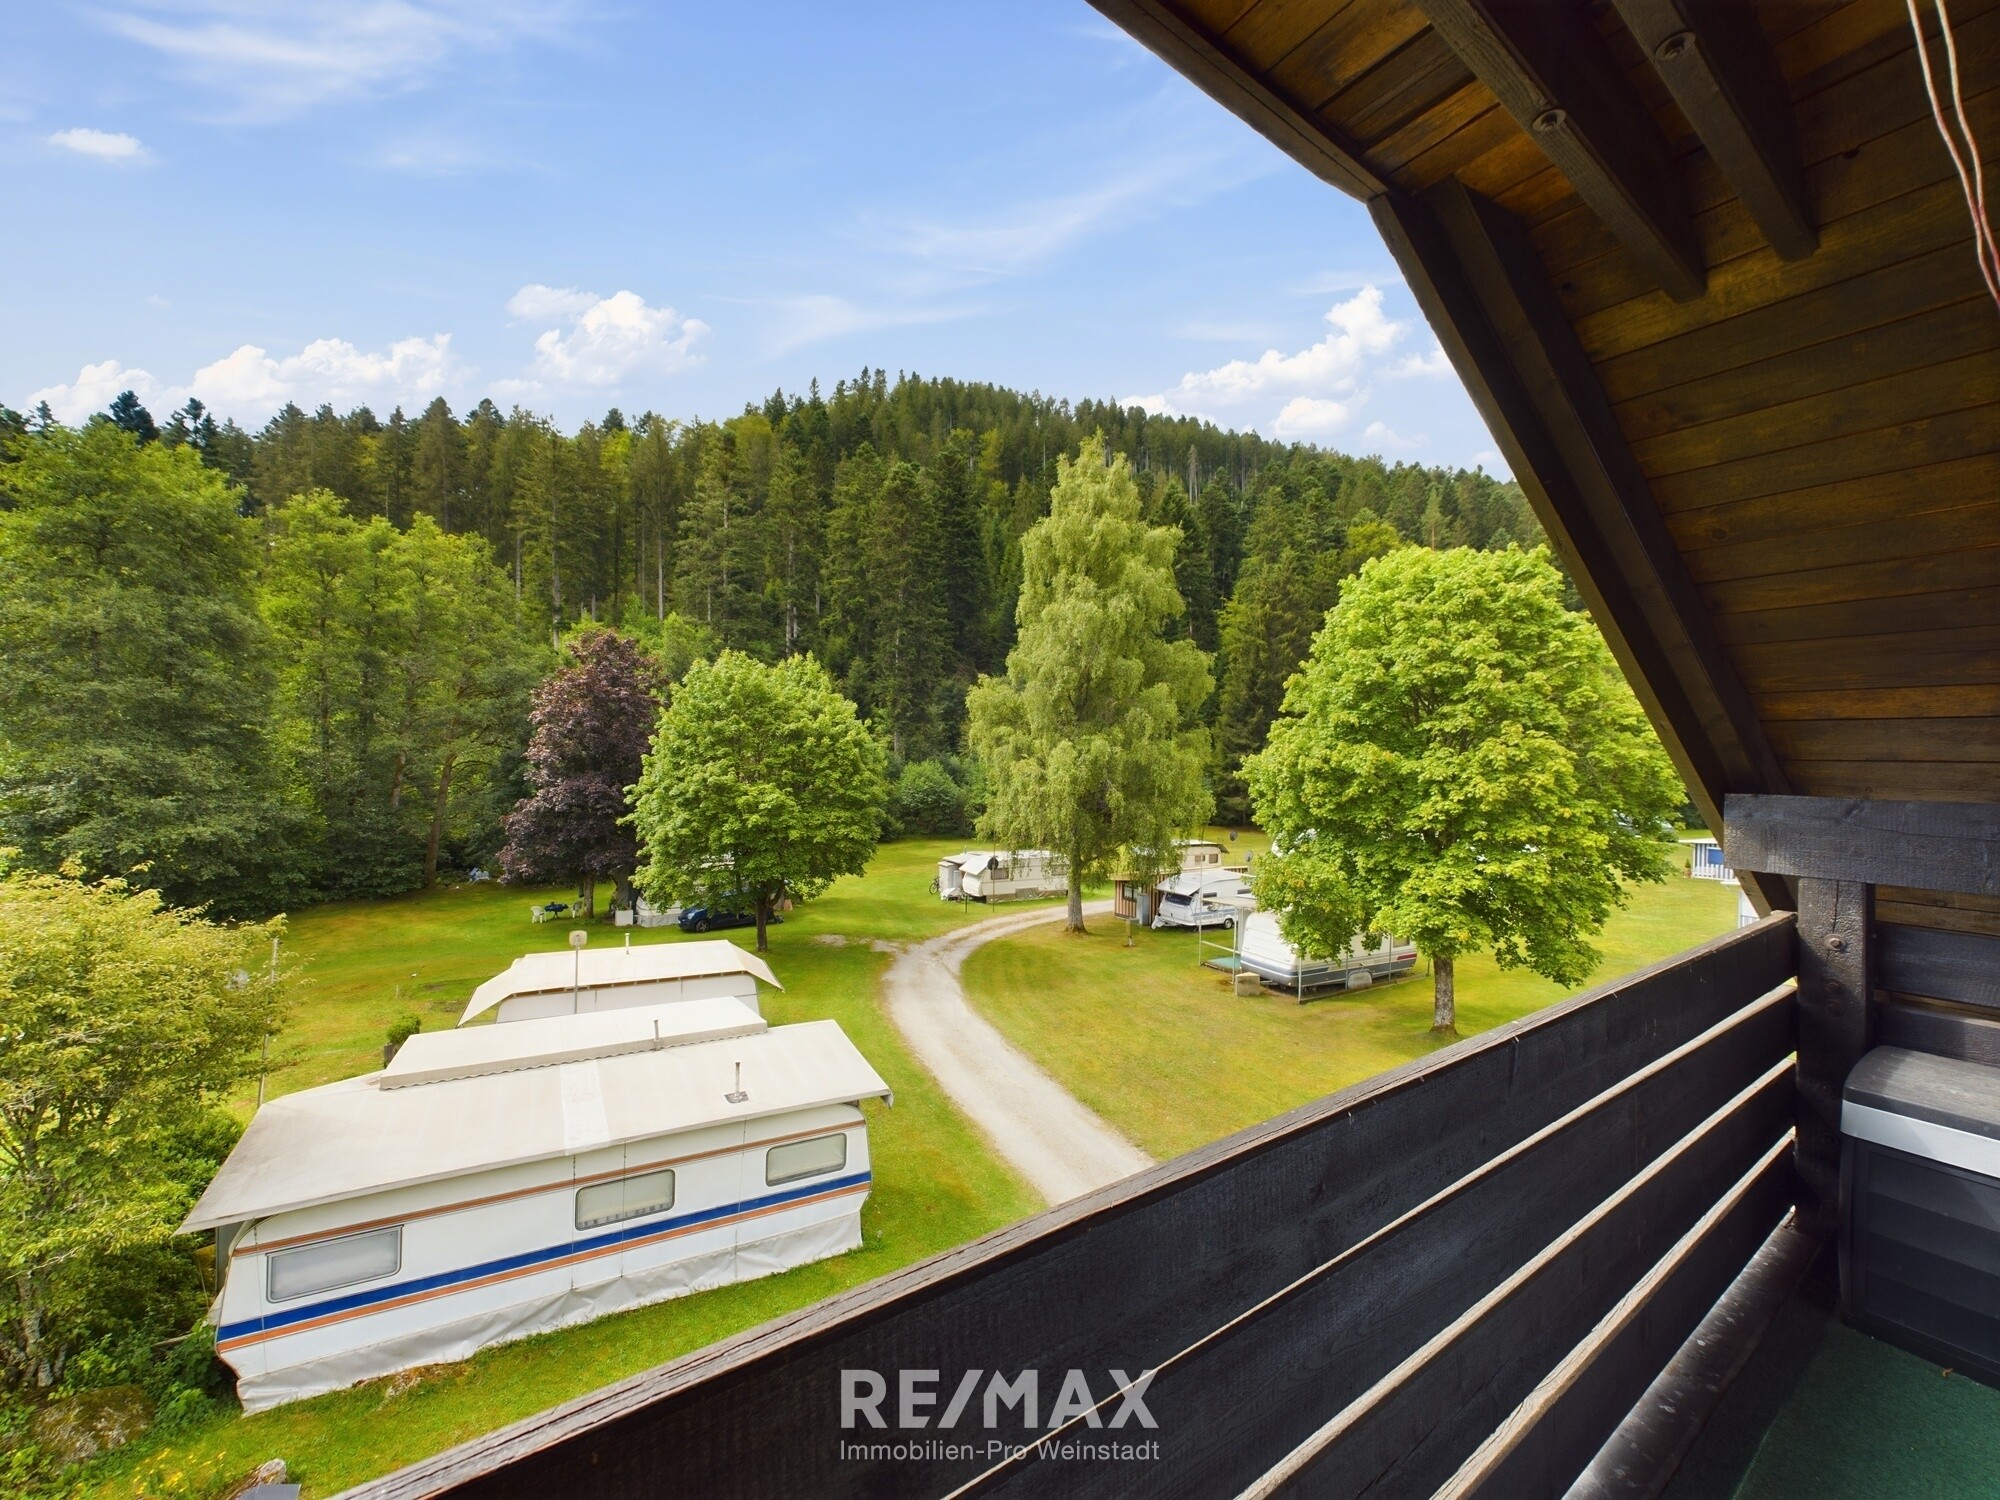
x=592, y=723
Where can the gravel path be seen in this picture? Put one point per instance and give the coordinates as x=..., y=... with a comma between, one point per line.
x=1062, y=1148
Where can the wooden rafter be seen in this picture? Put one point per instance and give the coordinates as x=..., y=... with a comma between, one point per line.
x=1236, y=88
x=1717, y=63
x=1556, y=76
x=1484, y=291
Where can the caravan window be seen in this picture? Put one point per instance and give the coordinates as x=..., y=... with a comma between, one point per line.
x=627, y=1198
x=347, y=1261
x=788, y=1163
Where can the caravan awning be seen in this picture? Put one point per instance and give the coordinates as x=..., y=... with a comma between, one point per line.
x=606, y=968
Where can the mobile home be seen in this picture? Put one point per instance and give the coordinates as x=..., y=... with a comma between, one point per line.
x=579, y=981
x=1201, y=898
x=1000, y=875
x=1261, y=949
x=1130, y=897
x=499, y=1181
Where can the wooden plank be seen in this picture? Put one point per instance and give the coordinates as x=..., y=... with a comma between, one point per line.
x=1931, y=845
x=1961, y=433
x=1474, y=275
x=1717, y=63
x=1897, y=348
x=1472, y=103
x=1878, y=295
x=1411, y=1432
x=1915, y=896
x=1267, y=31
x=1351, y=40
x=1924, y=610
x=1836, y=969
x=1943, y=1033
x=1553, y=73
x=1405, y=85
x=1931, y=780
x=1962, y=967
x=1934, y=386
x=1926, y=218
x=1912, y=659
x=1883, y=703
x=1641, y=1458
x=1972, y=526
x=1487, y=134
x=1905, y=494
x=1970, y=740
x=1125, y=1276
x=1546, y=1445
x=1262, y=1384
x=1196, y=56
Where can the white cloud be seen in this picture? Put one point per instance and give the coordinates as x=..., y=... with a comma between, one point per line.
x=251, y=385
x=813, y=318
x=1310, y=417
x=1324, y=375
x=104, y=145
x=607, y=338
x=250, y=382
x=534, y=302
x=276, y=60
x=1328, y=282
x=94, y=389
x=1435, y=365
x=1388, y=437
x=1028, y=233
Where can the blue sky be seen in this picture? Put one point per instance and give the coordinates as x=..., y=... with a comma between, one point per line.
x=571, y=206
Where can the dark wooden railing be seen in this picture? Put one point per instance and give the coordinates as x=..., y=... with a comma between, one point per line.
x=1460, y=1274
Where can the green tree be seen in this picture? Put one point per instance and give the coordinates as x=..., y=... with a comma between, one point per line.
x=136, y=699
x=1460, y=764
x=1089, y=740
x=125, y=1021
x=762, y=783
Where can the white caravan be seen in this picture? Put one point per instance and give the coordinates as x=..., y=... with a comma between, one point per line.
x=1201, y=898
x=499, y=1181
x=577, y=981
x=1261, y=949
x=1000, y=875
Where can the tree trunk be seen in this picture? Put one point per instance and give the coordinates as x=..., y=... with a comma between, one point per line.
x=763, y=919
x=1074, y=922
x=590, y=895
x=437, y=822
x=621, y=892
x=1444, y=998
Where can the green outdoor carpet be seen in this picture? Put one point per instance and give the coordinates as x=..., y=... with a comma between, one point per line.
x=1822, y=1412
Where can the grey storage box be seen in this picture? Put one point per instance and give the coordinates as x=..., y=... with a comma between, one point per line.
x=1920, y=1206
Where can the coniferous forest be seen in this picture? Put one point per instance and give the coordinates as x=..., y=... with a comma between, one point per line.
x=295, y=663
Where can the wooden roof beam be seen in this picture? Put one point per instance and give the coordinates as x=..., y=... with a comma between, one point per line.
x=1719, y=66
x=1556, y=76
x=1196, y=56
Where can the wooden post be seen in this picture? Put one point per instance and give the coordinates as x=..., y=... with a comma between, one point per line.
x=1836, y=941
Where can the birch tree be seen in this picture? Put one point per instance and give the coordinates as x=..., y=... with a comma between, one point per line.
x=1090, y=739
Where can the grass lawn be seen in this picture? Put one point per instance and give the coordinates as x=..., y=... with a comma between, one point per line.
x=1166, y=1053
x=362, y=964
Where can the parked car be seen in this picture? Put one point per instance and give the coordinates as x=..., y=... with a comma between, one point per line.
x=714, y=918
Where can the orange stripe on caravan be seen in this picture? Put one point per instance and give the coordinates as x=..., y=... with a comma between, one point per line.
x=535, y=1270
x=529, y=1192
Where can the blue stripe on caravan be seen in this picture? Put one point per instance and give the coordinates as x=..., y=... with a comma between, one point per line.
x=269, y=1322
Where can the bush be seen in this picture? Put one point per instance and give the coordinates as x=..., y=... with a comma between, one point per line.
x=405, y=1028
x=926, y=799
